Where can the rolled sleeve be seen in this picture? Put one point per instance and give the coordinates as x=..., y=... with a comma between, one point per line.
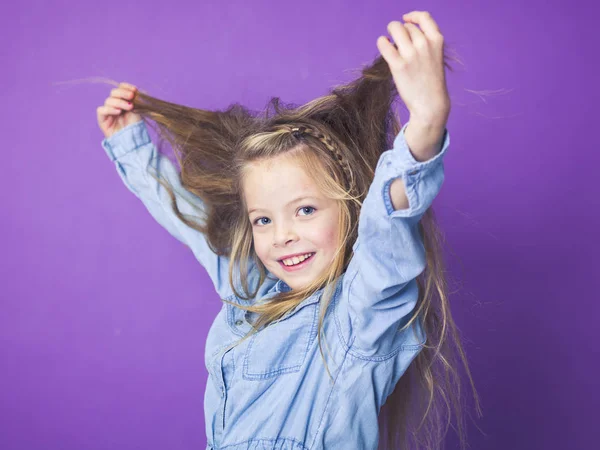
x=379, y=290
x=399, y=162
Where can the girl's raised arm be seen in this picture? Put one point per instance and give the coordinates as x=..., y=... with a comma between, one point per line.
x=134, y=155
x=379, y=289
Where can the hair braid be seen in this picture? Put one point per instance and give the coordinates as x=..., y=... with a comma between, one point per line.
x=335, y=151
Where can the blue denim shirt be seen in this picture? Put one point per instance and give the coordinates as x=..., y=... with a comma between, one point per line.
x=272, y=391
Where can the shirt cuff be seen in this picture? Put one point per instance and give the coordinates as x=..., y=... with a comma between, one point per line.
x=399, y=162
x=126, y=140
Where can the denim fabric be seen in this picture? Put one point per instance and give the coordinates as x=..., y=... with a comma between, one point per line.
x=272, y=391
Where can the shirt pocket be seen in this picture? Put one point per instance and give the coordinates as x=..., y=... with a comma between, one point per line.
x=282, y=347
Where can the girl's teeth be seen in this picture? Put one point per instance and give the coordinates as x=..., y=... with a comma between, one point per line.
x=296, y=260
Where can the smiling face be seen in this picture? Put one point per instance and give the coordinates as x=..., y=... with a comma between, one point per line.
x=290, y=216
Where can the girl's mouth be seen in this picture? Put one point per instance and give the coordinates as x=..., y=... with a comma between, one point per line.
x=298, y=266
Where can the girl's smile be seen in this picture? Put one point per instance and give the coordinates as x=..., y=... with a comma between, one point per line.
x=297, y=263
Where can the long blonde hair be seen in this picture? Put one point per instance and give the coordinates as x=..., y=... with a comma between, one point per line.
x=339, y=137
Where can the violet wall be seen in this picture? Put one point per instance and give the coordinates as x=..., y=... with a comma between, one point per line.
x=104, y=315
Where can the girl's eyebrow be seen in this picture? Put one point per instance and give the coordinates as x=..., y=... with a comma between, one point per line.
x=297, y=199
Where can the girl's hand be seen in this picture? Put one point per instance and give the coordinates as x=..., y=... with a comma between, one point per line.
x=117, y=111
x=417, y=66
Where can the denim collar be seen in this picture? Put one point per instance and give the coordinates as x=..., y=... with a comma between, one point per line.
x=282, y=286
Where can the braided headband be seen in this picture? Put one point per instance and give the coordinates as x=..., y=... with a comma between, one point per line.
x=297, y=132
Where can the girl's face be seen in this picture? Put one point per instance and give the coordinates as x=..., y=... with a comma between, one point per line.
x=289, y=216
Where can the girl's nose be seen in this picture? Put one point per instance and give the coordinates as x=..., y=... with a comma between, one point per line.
x=284, y=234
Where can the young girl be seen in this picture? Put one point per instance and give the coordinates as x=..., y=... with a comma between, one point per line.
x=315, y=227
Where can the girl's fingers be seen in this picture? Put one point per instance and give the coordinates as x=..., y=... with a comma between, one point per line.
x=422, y=18
x=416, y=35
x=387, y=49
x=118, y=103
x=401, y=38
x=108, y=111
x=122, y=93
x=127, y=86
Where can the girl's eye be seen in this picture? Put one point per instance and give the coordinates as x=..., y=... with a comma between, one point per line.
x=257, y=221
x=307, y=207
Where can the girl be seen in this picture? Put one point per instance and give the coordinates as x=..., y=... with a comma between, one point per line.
x=315, y=227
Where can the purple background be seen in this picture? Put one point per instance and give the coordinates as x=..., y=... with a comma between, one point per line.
x=104, y=315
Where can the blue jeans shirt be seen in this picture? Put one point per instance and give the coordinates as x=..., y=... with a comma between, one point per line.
x=272, y=391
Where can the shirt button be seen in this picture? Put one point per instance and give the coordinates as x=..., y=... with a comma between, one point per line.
x=238, y=322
